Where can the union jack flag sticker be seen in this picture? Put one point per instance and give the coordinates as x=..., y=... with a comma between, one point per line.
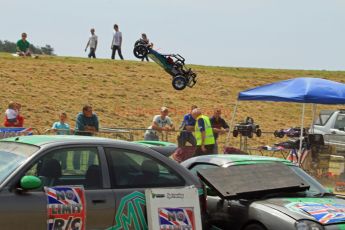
x=325, y=213
x=178, y=218
x=66, y=208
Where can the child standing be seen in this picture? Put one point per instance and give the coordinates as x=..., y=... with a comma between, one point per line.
x=61, y=127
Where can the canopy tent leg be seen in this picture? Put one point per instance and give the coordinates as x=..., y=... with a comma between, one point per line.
x=227, y=141
x=301, y=136
x=313, y=118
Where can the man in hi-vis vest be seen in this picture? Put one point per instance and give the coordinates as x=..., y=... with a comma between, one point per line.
x=203, y=133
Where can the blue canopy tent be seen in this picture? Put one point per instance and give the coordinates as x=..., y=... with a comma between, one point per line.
x=298, y=90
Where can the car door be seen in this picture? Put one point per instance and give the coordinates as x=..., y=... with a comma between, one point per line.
x=68, y=166
x=131, y=172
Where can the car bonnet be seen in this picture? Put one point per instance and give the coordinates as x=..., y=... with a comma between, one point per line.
x=323, y=210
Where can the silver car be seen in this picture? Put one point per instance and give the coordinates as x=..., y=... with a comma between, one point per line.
x=285, y=198
x=43, y=179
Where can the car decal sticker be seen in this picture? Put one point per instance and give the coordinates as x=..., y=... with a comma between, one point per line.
x=130, y=214
x=176, y=218
x=66, y=207
x=323, y=213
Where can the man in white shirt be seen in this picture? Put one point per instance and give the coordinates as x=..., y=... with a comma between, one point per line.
x=160, y=123
x=117, y=42
x=92, y=43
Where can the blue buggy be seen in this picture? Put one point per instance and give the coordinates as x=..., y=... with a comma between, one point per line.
x=173, y=64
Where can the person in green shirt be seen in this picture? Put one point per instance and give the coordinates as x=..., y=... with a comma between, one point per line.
x=23, y=46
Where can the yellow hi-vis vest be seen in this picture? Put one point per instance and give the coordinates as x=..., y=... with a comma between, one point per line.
x=209, y=138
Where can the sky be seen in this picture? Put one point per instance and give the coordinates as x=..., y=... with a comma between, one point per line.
x=280, y=34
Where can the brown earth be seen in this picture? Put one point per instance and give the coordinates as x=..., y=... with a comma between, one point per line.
x=129, y=93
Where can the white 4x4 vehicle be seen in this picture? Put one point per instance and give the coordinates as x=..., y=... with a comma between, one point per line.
x=331, y=123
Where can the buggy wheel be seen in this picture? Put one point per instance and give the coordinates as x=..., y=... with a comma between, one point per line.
x=179, y=82
x=258, y=132
x=140, y=51
x=275, y=133
x=250, y=134
x=235, y=133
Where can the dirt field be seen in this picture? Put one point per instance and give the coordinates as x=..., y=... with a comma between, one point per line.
x=129, y=93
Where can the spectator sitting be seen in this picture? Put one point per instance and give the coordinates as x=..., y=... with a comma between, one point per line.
x=11, y=112
x=61, y=127
x=187, y=127
x=145, y=41
x=12, y=115
x=23, y=46
x=160, y=123
x=87, y=122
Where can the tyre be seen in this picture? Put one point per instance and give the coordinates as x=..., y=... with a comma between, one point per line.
x=179, y=82
x=250, y=134
x=276, y=133
x=258, y=132
x=235, y=133
x=254, y=227
x=140, y=51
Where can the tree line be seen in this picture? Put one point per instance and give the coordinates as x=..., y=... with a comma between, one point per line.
x=11, y=47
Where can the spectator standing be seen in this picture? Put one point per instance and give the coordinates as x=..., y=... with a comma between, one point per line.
x=23, y=46
x=160, y=123
x=219, y=126
x=116, y=43
x=61, y=127
x=203, y=133
x=187, y=128
x=92, y=43
x=86, y=122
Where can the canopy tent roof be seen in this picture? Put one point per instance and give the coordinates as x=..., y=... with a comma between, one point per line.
x=300, y=90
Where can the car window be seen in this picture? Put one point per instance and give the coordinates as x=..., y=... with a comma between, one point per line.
x=12, y=156
x=340, y=122
x=131, y=169
x=71, y=166
x=197, y=167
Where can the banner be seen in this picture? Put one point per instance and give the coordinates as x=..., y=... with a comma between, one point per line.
x=173, y=209
x=13, y=132
x=66, y=208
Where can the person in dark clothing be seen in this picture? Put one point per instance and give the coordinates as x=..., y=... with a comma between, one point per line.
x=86, y=122
x=86, y=125
x=219, y=126
x=187, y=127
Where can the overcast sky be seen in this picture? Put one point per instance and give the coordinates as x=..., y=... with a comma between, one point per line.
x=292, y=34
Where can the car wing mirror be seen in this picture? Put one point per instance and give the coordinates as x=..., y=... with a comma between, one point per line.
x=30, y=183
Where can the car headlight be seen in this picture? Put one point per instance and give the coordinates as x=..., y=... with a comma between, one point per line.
x=308, y=225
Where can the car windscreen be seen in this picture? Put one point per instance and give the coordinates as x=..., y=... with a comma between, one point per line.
x=12, y=155
x=315, y=186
